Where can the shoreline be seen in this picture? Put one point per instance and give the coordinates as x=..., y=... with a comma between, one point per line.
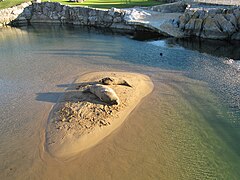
x=68, y=138
x=179, y=20
x=156, y=139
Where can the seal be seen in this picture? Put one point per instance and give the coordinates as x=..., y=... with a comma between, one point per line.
x=105, y=93
x=114, y=81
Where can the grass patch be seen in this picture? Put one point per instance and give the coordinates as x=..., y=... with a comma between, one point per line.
x=107, y=4
x=103, y=4
x=9, y=3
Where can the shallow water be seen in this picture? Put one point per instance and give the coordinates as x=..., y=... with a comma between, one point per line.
x=188, y=128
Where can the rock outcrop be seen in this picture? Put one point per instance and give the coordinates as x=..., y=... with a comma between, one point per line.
x=57, y=13
x=211, y=23
x=20, y=12
x=128, y=19
x=204, y=21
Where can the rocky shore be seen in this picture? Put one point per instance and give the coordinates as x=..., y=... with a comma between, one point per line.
x=16, y=13
x=211, y=22
x=177, y=19
x=28, y=13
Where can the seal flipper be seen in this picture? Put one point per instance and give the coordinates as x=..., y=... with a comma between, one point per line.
x=125, y=83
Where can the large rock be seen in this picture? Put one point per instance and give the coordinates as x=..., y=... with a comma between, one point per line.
x=236, y=13
x=225, y=25
x=232, y=19
x=183, y=20
x=212, y=30
x=190, y=25
x=194, y=27
x=210, y=22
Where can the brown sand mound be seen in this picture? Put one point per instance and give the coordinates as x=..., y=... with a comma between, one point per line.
x=80, y=120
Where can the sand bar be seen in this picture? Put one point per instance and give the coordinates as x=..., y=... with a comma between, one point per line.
x=80, y=120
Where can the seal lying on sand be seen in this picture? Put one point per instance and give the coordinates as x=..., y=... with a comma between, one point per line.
x=106, y=94
x=114, y=81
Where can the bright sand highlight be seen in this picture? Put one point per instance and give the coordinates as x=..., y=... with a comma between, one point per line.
x=80, y=120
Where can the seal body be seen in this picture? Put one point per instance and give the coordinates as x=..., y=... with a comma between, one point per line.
x=114, y=81
x=106, y=94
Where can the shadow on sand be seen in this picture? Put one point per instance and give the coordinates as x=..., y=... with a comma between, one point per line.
x=74, y=93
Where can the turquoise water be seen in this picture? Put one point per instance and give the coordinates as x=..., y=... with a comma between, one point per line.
x=188, y=128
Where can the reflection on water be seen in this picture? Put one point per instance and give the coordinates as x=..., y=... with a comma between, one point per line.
x=188, y=128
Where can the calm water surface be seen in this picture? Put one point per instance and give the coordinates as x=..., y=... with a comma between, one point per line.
x=188, y=128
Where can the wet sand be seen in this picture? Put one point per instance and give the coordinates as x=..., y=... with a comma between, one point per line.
x=80, y=119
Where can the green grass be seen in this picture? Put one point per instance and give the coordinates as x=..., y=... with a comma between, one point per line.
x=10, y=3
x=104, y=4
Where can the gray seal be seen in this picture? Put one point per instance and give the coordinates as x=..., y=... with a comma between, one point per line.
x=114, y=81
x=106, y=94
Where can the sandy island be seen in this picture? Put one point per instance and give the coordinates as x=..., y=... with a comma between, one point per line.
x=80, y=120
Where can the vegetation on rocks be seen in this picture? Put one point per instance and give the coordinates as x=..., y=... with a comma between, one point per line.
x=10, y=3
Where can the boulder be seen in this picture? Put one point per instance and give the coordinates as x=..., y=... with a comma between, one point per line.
x=225, y=25
x=211, y=30
x=27, y=13
x=232, y=19
x=190, y=25
x=236, y=13
x=198, y=27
x=194, y=27
x=183, y=20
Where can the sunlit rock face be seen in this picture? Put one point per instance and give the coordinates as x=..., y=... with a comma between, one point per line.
x=20, y=12
x=58, y=13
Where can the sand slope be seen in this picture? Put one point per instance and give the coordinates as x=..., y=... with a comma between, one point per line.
x=80, y=120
